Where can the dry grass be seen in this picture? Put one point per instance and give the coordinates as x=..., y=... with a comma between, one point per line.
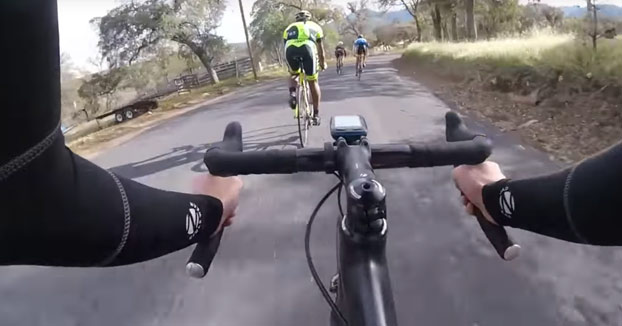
x=552, y=89
x=544, y=51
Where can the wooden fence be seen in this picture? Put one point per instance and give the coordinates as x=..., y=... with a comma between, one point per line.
x=232, y=69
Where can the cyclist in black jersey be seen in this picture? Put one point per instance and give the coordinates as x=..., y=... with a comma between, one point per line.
x=578, y=204
x=340, y=53
x=59, y=209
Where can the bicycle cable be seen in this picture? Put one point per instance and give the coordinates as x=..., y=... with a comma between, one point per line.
x=316, y=277
x=339, y=194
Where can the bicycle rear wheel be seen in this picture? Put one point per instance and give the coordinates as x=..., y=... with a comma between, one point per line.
x=359, y=70
x=304, y=121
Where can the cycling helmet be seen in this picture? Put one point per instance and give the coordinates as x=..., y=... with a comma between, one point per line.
x=303, y=15
x=340, y=43
x=361, y=36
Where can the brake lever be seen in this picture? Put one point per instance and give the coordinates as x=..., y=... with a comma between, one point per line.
x=505, y=247
x=205, y=251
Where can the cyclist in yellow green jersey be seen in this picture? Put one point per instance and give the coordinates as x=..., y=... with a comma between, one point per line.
x=303, y=39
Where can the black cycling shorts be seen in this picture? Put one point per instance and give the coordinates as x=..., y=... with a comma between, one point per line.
x=293, y=55
x=361, y=50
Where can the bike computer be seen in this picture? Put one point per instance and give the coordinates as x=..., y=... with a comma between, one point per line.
x=349, y=127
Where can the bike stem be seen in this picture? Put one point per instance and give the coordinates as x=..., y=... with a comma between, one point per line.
x=366, y=205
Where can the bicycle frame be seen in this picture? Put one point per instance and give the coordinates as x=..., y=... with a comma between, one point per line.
x=303, y=90
x=364, y=294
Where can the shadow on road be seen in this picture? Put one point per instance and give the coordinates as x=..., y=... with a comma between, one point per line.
x=334, y=87
x=276, y=137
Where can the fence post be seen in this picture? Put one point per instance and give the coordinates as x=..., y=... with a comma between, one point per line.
x=237, y=71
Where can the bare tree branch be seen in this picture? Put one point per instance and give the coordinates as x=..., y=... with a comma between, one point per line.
x=290, y=5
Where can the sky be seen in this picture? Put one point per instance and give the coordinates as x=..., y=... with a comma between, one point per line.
x=79, y=39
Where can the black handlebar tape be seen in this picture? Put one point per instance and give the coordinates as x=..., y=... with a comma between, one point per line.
x=498, y=237
x=456, y=131
x=223, y=163
x=464, y=152
x=205, y=251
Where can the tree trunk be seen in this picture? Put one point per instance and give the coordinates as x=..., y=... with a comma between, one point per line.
x=418, y=26
x=436, y=20
x=592, y=4
x=470, y=20
x=208, y=65
x=213, y=74
x=454, y=26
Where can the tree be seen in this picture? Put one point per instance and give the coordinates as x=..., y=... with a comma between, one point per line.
x=498, y=16
x=554, y=16
x=391, y=34
x=454, y=25
x=592, y=9
x=356, y=21
x=411, y=6
x=536, y=13
x=104, y=84
x=184, y=53
x=471, y=30
x=435, y=12
x=68, y=70
x=270, y=18
x=138, y=77
x=131, y=29
x=267, y=26
x=68, y=86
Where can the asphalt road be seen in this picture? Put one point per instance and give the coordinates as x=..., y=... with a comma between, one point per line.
x=443, y=270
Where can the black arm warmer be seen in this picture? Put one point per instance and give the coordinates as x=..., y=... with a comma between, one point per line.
x=579, y=204
x=62, y=210
x=55, y=207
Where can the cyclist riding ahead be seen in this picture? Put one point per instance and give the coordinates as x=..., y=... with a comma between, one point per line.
x=340, y=53
x=303, y=39
x=360, y=48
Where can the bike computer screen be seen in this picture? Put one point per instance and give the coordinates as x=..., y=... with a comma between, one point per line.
x=349, y=127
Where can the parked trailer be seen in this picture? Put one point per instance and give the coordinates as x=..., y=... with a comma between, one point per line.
x=131, y=111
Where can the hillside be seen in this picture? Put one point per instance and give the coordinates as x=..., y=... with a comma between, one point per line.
x=378, y=18
x=609, y=11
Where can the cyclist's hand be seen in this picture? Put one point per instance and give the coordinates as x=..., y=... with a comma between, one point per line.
x=471, y=179
x=227, y=190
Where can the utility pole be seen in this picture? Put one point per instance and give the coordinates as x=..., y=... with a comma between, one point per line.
x=248, y=42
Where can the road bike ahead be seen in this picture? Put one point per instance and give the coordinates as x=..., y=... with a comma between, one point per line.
x=362, y=284
x=339, y=65
x=303, y=111
x=359, y=66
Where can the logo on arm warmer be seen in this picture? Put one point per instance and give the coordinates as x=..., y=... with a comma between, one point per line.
x=506, y=202
x=193, y=220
